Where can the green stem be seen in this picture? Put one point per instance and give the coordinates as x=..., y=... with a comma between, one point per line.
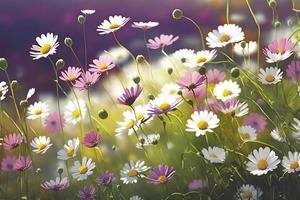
x=199, y=29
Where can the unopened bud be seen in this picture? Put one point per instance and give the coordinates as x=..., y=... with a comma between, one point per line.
x=202, y=70
x=177, y=14
x=277, y=24
x=243, y=44
x=179, y=92
x=60, y=170
x=24, y=104
x=151, y=97
x=136, y=79
x=235, y=72
x=68, y=42
x=272, y=3
x=3, y=64
x=60, y=63
x=170, y=71
x=190, y=102
x=103, y=114
x=140, y=59
x=81, y=19
x=14, y=84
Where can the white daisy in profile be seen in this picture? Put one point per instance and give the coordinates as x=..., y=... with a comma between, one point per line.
x=249, y=49
x=47, y=45
x=202, y=122
x=226, y=90
x=38, y=110
x=3, y=90
x=41, y=144
x=30, y=93
x=144, y=25
x=271, y=75
x=201, y=57
x=226, y=34
x=275, y=134
x=132, y=171
x=88, y=11
x=170, y=89
x=69, y=150
x=112, y=24
x=296, y=128
x=80, y=171
x=75, y=111
x=247, y=133
x=141, y=114
x=234, y=107
x=262, y=161
x=183, y=55
x=214, y=154
x=291, y=163
x=135, y=197
x=148, y=140
x=118, y=54
x=249, y=192
x=128, y=125
x=163, y=104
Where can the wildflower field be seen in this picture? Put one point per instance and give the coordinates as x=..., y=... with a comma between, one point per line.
x=219, y=122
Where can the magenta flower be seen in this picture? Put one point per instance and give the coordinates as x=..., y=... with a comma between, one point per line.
x=197, y=184
x=161, y=42
x=87, y=193
x=256, y=121
x=7, y=163
x=86, y=80
x=279, y=50
x=161, y=174
x=71, y=74
x=293, y=70
x=215, y=76
x=23, y=163
x=12, y=141
x=191, y=82
x=102, y=64
x=130, y=95
x=54, y=122
x=56, y=185
x=144, y=25
x=91, y=139
x=105, y=179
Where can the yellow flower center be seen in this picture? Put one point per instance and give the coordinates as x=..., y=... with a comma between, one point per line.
x=247, y=195
x=226, y=93
x=213, y=155
x=262, y=164
x=280, y=49
x=224, y=38
x=245, y=136
x=130, y=124
x=162, y=178
x=270, y=78
x=294, y=164
x=119, y=56
x=202, y=125
x=70, y=152
x=76, y=114
x=41, y=146
x=164, y=106
x=102, y=66
x=113, y=26
x=201, y=60
x=132, y=173
x=83, y=169
x=139, y=116
x=45, y=48
x=38, y=111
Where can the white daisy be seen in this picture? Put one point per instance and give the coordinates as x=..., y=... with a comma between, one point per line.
x=47, y=45
x=296, y=127
x=69, y=150
x=38, y=110
x=276, y=135
x=202, y=122
x=247, y=133
x=183, y=55
x=170, y=89
x=132, y=171
x=262, y=161
x=128, y=125
x=249, y=192
x=41, y=144
x=226, y=90
x=88, y=11
x=135, y=197
x=226, y=34
x=30, y=93
x=112, y=24
x=163, y=104
x=141, y=114
x=214, y=154
x=234, y=107
x=118, y=54
x=271, y=75
x=249, y=49
x=3, y=89
x=144, y=25
x=201, y=57
x=74, y=112
x=81, y=171
x=291, y=163
x=148, y=140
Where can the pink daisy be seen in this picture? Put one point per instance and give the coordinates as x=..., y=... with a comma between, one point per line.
x=130, y=95
x=102, y=64
x=71, y=74
x=144, y=25
x=23, y=163
x=12, y=141
x=279, y=50
x=86, y=80
x=192, y=83
x=215, y=76
x=161, y=42
x=197, y=184
x=91, y=139
x=293, y=70
x=7, y=163
x=256, y=121
x=54, y=122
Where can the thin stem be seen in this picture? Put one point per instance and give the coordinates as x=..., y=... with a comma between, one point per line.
x=145, y=41
x=199, y=29
x=76, y=57
x=85, y=48
x=227, y=11
x=170, y=60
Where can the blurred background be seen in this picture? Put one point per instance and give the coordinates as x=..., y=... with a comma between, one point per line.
x=22, y=21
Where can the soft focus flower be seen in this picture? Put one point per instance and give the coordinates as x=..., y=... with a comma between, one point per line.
x=163, y=104
x=23, y=163
x=86, y=80
x=271, y=75
x=256, y=121
x=148, y=140
x=71, y=74
x=144, y=25
x=56, y=185
x=202, y=122
x=293, y=70
x=234, y=107
x=12, y=141
x=183, y=55
x=197, y=184
x=130, y=95
x=38, y=110
x=30, y=93
x=279, y=50
x=7, y=163
x=80, y=171
x=291, y=163
x=249, y=49
x=226, y=34
x=275, y=134
x=128, y=125
x=88, y=11
x=105, y=179
x=296, y=128
x=214, y=154
x=201, y=57
x=215, y=76
x=161, y=42
x=249, y=192
x=118, y=54
x=170, y=89
x=226, y=90
x=135, y=197
x=102, y=64
x=247, y=133
x=41, y=144
x=112, y=24
x=87, y=193
x=262, y=161
x=47, y=45
x=161, y=174
x=75, y=111
x=54, y=122
x=132, y=171
x=191, y=81
x=3, y=89
x=91, y=139
x=69, y=150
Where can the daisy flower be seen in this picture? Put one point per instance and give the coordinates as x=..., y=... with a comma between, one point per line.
x=135, y=197
x=215, y=76
x=87, y=193
x=214, y=154
x=7, y=163
x=12, y=141
x=202, y=122
x=197, y=184
x=54, y=123
x=249, y=49
x=184, y=56
x=161, y=174
x=148, y=140
x=293, y=70
x=191, y=81
x=30, y=93
x=91, y=139
x=56, y=185
x=291, y=163
x=226, y=90
x=132, y=171
x=69, y=150
x=234, y=108
x=201, y=57
x=141, y=114
x=247, y=133
x=256, y=121
x=144, y=25
x=105, y=179
x=112, y=24
x=80, y=171
x=249, y=192
x=226, y=34
x=86, y=80
x=119, y=54
x=128, y=125
x=102, y=64
x=3, y=89
x=296, y=126
x=74, y=112
x=47, y=45
x=88, y=11
x=161, y=42
x=163, y=104
x=277, y=136
x=23, y=163
x=41, y=144
x=262, y=161
x=170, y=89
x=71, y=74
x=271, y=75
x=38, y=110
x=130, y=95
x=279, y=50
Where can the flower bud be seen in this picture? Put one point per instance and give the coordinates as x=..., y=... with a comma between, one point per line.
x=170, y=71
x=272, y=3
x=202, y=70
x=14, y=84
x=151, y=97
x=60, y=170
x=190, y=102
x=38, y=170
x=24, y=104
x=68, y=42
x=136, y=80
x=235, y=72
x=140, y=59
x=290, y=22
x=60, y=63
x=277, y=24
x=142, y=140
x=81, y=19
x=103, y=114
x=179, y=92
x=243, y=44
x=3, y=64
x=177, y=13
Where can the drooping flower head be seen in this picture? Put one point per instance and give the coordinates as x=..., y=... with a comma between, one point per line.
x=215, y=76
x=54, y=122
x=23, y=163
x=91, y=139
x=161, y=42
x=144, y=25
x=12, y=141
x=56, y=185
x=191, y=82
x=7, y=163
x=161, y=174
x=87, y=193
x=105, y=179
x=256, y=121
x=70, y=74
x=293, y=70
x=103, y=64
x=47, y=45
x=279, y=50
x=86, y=80
x=112, y=24
x=130, y=95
